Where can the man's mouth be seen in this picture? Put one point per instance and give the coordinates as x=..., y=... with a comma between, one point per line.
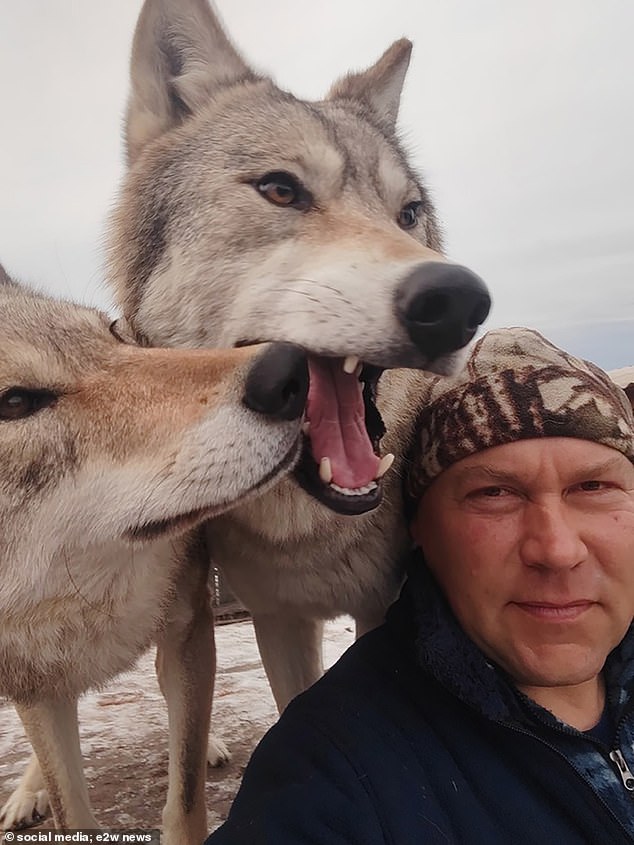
x=340, y=464
x=555, y=611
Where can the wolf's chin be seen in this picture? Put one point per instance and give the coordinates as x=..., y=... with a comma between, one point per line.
x=180, y=523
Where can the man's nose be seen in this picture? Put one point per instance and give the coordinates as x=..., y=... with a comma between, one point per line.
x=551, y=537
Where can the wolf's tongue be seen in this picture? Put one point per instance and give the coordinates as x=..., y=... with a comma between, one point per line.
x=336, y=414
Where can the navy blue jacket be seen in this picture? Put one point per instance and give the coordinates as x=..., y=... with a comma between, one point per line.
x=413, y=737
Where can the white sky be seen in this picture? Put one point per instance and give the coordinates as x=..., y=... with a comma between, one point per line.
x=519, y=114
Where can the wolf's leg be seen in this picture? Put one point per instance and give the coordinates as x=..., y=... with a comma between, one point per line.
x=186, y=665
x=290, y=647
x=52, y=728
x=28, y=803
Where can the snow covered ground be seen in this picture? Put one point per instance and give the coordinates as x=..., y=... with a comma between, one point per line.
x=124, y=731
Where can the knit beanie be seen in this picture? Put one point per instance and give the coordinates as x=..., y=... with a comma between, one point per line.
x=516, y=386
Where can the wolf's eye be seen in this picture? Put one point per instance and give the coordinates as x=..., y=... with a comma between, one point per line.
x=409, y=214
x=282, y=188
x=19, y=402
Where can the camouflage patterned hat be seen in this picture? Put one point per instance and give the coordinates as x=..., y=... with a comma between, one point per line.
x=515, y=386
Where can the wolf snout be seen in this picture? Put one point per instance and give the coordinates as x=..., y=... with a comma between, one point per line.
x=441, y=305
x=277, y=383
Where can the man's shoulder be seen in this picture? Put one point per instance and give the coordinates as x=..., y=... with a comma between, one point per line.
x=373, y=683
x=376, y=658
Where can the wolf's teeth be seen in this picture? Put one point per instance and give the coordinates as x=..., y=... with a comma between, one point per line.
x=325, y=470
x=306, y=427
x=384, y=464
x=350, y=364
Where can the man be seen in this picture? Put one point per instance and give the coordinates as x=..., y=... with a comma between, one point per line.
x=496, y=704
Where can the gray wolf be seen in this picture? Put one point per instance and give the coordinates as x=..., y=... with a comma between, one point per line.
x=109, y=453
x=496, y=702
x=247, y=214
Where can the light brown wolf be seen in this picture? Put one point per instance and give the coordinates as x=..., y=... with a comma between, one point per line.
x=109, y=452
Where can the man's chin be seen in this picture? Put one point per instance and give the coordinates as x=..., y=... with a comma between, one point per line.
x=556, y=666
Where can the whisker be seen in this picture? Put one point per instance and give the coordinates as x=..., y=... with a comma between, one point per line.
x=332, y=289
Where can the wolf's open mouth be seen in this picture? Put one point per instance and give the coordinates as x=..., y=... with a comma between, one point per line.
x=340, y=464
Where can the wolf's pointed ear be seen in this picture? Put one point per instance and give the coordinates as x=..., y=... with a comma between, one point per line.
x=180, y=57
x=379, y=86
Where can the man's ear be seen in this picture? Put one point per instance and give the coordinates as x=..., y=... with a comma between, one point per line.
x=380, y=86
x=180, y=58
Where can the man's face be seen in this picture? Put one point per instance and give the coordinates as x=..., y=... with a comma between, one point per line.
x=533, y=545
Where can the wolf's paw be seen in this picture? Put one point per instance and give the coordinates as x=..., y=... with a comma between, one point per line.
x=24, y=809
x=217, y=752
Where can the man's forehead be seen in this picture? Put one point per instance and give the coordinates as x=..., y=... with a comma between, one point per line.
x=525, y=458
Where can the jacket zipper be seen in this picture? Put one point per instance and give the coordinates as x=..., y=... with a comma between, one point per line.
x=567, y=762
x=536, y=738
x=621, y=766
x=616, y=755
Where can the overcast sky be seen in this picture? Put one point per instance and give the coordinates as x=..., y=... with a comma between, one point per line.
x=519, y=114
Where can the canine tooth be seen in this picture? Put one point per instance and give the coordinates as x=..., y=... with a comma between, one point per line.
x=306, y=427
x=385, y=463
x=325, y=470
x=350, y=364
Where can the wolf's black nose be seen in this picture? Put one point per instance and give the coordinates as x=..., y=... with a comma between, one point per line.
x=441, y=306
x=277, y=384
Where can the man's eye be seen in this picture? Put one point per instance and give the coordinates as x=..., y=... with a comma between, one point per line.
x=490, y=492
x=493, y=497
x=593, y=486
